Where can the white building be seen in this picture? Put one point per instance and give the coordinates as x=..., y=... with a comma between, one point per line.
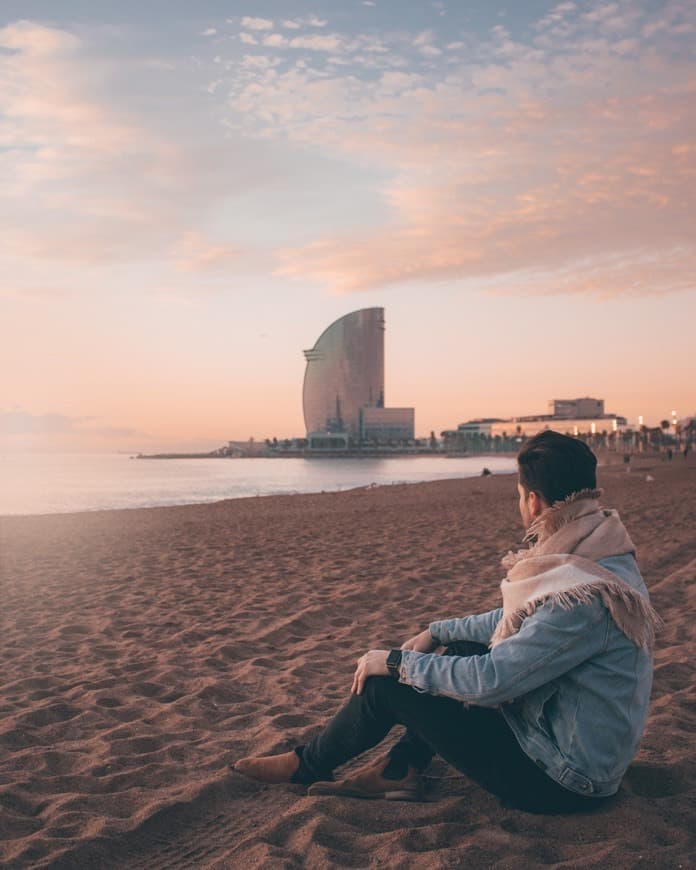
x=583, y=416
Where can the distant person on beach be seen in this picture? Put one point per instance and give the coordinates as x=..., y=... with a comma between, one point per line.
x=543, y=701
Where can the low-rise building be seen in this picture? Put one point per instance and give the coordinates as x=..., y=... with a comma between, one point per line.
x=525, y=427
x=387, y=424
x=577, y=417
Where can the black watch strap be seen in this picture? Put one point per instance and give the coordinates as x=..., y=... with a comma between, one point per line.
x=394, y=662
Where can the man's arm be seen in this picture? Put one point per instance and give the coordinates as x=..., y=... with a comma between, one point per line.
x=548, y=644
x=478, y=628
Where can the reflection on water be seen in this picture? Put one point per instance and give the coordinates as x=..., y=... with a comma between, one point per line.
x=55, y=483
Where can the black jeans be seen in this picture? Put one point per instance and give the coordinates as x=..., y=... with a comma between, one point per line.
x=475, y=740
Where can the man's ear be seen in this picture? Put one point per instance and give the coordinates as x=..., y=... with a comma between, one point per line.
x=536, y=504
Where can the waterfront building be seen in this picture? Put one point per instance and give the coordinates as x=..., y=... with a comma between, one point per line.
x=343, y=391
x=579, y=409
x=386, y=424
x=578, y=417
x=528, y=426
x=481, y=426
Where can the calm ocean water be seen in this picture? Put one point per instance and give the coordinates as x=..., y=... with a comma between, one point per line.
x=57, y=483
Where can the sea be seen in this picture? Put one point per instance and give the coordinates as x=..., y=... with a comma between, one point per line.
x=48, y=483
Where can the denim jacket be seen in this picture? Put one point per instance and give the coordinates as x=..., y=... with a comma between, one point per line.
x=571, y=686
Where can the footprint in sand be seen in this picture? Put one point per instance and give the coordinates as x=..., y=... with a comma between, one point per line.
x=674, y=675
x=647, y=780
x=108, y=702
x=51, y=715
x=289, y=720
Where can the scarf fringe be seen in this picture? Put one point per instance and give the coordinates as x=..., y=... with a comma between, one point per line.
x=632, y=614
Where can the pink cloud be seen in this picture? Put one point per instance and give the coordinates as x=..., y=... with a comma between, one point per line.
x=316, y=43
x=527, y=164
x=195, y=253
x=257, y=23
x=89, y=181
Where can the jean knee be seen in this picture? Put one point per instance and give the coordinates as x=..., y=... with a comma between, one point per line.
x=377, y=688
x=376, y=684
x=385, y=693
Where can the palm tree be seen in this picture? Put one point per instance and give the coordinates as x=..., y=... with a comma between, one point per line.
x=664, y=427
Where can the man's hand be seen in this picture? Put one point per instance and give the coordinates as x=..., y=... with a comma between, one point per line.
x=372, y=664
x=422, y=642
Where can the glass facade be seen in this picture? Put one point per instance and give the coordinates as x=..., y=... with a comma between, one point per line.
x=345, y=372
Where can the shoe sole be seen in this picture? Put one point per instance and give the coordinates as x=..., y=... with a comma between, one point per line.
x=394, y=795
x=413, y=797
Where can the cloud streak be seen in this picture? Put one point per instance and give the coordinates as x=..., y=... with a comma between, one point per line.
x=561, y=160
x=20, y=423
x=91, y=176
x=568, y=155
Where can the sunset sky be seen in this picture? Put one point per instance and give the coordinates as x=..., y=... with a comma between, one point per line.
x=192, y=192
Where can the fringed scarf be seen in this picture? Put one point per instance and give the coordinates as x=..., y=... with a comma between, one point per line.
x=561, y=567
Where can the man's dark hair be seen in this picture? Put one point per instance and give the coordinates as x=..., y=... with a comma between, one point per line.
x=555, y=466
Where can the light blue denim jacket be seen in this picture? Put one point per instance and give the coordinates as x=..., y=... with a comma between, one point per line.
x=571, y=686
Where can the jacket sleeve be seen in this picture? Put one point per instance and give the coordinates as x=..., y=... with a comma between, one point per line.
x=549, y=643
x=478, y=628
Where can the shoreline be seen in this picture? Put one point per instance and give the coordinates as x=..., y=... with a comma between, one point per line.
x=370, y=487
x=99, y=492
x=606, y=459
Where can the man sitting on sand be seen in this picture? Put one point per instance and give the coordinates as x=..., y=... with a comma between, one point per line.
x=542, y=701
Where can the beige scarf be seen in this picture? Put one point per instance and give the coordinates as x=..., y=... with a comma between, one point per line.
x=568, y=540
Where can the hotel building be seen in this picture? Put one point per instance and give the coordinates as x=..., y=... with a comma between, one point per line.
x=343, y=392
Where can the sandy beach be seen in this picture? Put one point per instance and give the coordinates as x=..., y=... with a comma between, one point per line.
x=143, y=651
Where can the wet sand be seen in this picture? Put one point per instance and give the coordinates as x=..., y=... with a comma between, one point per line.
x=143, y=651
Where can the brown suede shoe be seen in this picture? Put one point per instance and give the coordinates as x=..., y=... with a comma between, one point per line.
x=369, y=783
x=269, y=768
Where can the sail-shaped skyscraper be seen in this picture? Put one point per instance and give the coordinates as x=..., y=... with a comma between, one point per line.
x=343, y=393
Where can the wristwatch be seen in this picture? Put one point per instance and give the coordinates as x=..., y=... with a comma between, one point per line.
x=393, y=662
